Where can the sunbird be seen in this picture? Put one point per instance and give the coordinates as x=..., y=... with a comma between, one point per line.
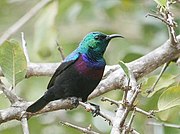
x=79, y=73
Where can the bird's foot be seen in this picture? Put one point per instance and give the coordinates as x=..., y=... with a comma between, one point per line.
x=96, y=110
x=91, y=107
x=74, y=101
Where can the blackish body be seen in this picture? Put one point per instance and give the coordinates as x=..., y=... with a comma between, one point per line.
x=79, y=73
x=79, y=80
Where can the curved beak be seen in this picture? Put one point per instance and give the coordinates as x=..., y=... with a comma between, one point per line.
x=109, y=37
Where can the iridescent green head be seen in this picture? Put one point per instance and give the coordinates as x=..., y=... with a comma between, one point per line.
x=94, y=44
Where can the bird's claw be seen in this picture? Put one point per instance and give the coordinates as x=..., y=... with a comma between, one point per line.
x=96, y=110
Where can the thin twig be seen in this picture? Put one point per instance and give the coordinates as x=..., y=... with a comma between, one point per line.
x=33, y=11
x=134, y=132
x=172, y=24
x=148, y=114
x=126, y=89
x=24, y=45
x=129, y=107
x=157, y=17
x=84, y=130
x=89, y=107
x=24, y=124
x=168, y=19
x=164, y=124
x=128, y=128
x=60, y=50
x=178, y=62
x=124, y=96
x=159, y=76
x=13, y=98
x=131, y=120
x=111, y=101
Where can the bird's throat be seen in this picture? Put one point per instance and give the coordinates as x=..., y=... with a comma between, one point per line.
x=94, y=56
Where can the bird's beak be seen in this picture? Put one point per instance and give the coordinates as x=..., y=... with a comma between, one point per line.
x=109, y=37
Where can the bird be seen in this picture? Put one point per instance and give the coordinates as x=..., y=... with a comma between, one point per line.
x=79, y=73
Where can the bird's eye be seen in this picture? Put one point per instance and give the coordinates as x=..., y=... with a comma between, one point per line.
x=100, y=37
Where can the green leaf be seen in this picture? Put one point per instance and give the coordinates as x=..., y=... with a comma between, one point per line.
x=131, y=56
x=45, y=31
x=170, y=114
x=125, y=69
x=165, y=81
x=161, y=3
x=13, y=62
x=169, y=98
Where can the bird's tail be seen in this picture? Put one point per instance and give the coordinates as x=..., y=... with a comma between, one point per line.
x=39, y=104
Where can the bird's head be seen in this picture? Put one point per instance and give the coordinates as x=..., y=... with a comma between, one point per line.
x=95, y=43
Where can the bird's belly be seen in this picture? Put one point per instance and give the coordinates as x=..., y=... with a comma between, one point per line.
x=78, y=80
x=76, y=84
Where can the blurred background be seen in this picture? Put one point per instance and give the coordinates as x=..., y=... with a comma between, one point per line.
x=67, y=22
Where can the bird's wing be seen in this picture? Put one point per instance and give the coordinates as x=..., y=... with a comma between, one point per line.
x=62, y=68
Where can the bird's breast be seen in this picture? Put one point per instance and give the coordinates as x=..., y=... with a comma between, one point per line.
x=88, y=68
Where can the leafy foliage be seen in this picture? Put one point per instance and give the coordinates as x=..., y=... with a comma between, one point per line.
x=45, y=31
x=164, y=82
x=161, y=3
x=125, y=69
x=169, y=98
x=13, y=62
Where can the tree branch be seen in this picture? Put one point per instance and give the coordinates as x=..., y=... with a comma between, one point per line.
x=24, y=45
x=25, y=125
x=164, y=124
x=89, y=107
x=13, y=98
x=148, y=114
x=124, y=109
x=128, y=128
x=148, y=91
x=23, y=20
x=84, y=130
x=17, y=111
x=60, y=49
